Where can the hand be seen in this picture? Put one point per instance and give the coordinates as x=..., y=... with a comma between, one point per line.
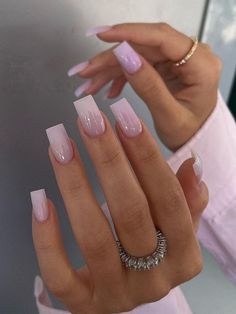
x=179, y=98
x=140, y=199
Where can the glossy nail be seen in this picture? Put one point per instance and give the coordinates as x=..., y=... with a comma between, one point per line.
x=127, y=57
x=78, y=68
x=90, y=116
x=39, y=203
x=127, y=118
x=97, y=30
x=60, y=143
x=197, y=166
x=82, y=88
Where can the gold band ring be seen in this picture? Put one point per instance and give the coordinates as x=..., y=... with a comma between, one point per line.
x=189, y=54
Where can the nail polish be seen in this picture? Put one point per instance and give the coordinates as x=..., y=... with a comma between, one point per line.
x=90, y=116
x=97, y=30
x=39, y=203
x=127, y=57
x=60, y=143
x=78, y=68
x=126, y=117
x=82, y=88
x=197, y=166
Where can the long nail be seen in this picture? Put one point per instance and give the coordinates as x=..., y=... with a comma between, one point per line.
x=127, y=57
x=197, y=166
x=97, y=30
x=39, y=203
x=60, y=143
x=82, y=88
x=78, y=68
x=90, y=116
x=127, y=118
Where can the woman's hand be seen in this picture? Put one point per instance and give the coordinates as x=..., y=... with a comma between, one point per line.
x=141, y=199
x=179, y=98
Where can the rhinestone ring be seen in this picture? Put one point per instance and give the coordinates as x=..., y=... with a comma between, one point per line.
x=189, y=54
x=144, y=262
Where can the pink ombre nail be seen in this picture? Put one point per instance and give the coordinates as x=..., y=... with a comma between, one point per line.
x=197, y=166
x=97, y=30
x=78, y=68
x=60, y=143
x=127, y=57
x=90, y=116
x=82, y=88
x=39, y=203
x=126, y=117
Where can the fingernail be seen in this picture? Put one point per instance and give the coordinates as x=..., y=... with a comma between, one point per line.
x=78, y=68
x=60, y=143
x=39, y=203
x=197, y=166
x=82, y=88
x=97, y=30
x=126, y=117
x=90, y=116
x=127, y=57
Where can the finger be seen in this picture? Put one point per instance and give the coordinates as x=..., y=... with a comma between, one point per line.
x=171, y=44
x=149, y=85
x=106, y=61
x=126, y=200
x=195, y=190
x=116, y=88
x=89, y=224
x=102, y=61
x=55, y=267
x=161, y=187
x=100, y=80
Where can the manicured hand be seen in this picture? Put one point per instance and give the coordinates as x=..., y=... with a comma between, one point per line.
x=142, y=193
x=179, y=98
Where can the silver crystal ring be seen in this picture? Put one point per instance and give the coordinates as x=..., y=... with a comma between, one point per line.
x=144, y=262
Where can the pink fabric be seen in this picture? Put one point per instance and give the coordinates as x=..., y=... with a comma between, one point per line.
x=215, y=142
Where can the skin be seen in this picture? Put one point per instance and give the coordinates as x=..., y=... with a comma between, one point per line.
x=147, y=196
x=179, y=98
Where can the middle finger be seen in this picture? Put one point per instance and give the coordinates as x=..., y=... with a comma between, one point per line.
x=126, y=200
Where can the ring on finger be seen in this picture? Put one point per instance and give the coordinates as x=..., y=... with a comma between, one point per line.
x=144, y=262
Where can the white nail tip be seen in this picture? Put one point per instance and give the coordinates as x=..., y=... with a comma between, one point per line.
x=197, y=165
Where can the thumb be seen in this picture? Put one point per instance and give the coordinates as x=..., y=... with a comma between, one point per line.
x=195, y=190
x=167, y=113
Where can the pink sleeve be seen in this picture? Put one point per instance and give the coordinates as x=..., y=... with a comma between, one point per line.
x=215, y=142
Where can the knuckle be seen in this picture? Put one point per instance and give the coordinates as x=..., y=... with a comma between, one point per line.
x=59, y=288
x=134, y=215
x=44, y=246
x=98, y=247
x=175, y=196
x=148, y=156
x=164, y=27
x=74, y=187
x=110, y=158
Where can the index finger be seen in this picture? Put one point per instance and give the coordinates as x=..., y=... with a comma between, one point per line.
x=172, y=44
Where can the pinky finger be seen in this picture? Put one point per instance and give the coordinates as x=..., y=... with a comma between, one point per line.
x=94, y=85
x=59, y=276
x=194, y=188
x=116, y=87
